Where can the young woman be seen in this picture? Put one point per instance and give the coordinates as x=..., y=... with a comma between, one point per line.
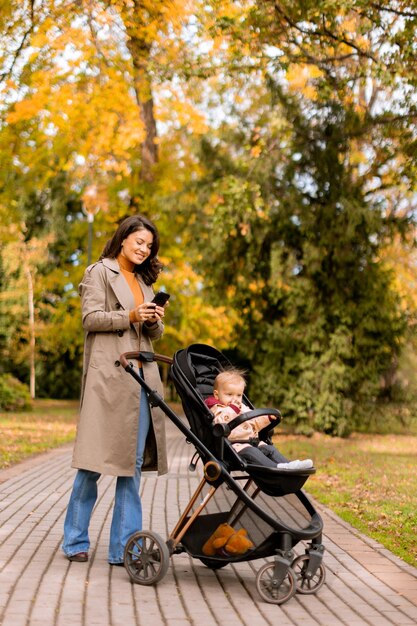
x=117, y=432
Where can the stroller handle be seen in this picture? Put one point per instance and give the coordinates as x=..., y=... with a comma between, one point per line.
x=148, y=357
x=224, y=429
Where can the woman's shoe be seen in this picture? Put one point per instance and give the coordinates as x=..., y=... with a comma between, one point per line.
x=80, y=557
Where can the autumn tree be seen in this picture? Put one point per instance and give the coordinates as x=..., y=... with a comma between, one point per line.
x=78, y=85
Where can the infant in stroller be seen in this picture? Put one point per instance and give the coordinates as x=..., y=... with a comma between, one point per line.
x=226, y=404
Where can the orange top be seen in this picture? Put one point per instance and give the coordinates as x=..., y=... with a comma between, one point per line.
x=126, y=267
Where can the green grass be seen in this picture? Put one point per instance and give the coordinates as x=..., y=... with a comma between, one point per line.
x=370, y=481
x=50, y=424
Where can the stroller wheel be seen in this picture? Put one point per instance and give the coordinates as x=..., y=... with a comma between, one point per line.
x=271, y=589
x=146, y=558
x=305, y=584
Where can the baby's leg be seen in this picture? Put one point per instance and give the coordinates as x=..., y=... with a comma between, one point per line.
x=252, y=454
x=272, y=453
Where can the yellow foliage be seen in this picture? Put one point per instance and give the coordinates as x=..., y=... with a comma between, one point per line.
x=299, y=78
x=357, y=157
x=230, y=10
x=196, y=319
x=184, y=112
x=314, y=71
x=402, y=259
x=83, y=98
x=18, y=254
x=350, y=24
x=28, y=108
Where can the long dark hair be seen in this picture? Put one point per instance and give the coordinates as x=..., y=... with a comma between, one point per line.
x=149, y=269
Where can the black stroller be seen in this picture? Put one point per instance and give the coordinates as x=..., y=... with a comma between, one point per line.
x=266, y=504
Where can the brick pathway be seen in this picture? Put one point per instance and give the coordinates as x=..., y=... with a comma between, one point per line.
x=365, y=583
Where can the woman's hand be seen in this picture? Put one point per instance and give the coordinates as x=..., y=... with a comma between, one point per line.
x=158, y=313
x=148, y=312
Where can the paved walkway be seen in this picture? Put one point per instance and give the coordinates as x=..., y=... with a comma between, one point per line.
x=365, y=583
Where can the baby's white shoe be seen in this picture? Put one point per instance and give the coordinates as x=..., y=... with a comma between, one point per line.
x=296, y=465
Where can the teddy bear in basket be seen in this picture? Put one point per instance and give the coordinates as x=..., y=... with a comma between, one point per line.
x=226, y=541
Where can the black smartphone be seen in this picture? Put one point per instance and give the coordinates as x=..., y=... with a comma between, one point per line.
x=161, y=298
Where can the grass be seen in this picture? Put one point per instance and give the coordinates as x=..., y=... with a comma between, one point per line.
x=370, y=481
x=50, y=424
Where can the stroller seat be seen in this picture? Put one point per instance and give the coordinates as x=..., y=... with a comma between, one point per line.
x=193, y=372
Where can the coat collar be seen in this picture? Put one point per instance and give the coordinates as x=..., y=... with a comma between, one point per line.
x=120, y=286
x=111, y=264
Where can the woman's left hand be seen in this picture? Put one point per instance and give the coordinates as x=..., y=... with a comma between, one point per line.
x=159, y=314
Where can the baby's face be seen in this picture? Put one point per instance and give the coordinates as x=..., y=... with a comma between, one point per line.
x=230, y=393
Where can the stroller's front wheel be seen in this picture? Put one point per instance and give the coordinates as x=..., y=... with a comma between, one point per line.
x=146, y=558
x=308, y=584
x=271, y=588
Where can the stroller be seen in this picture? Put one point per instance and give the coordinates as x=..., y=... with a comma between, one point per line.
x=265, y=505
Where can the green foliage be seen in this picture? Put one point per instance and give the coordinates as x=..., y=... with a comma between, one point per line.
x=49, y=241
x=14, y=395
x=318, y=315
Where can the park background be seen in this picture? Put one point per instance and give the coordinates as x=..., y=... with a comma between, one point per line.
x=274, y=144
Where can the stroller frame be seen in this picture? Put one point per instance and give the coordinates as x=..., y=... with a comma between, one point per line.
x=147, y=555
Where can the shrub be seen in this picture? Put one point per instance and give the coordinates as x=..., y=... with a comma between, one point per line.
x=14, y=395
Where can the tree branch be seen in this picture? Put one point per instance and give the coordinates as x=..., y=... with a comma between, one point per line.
x=94, y=38
x=26, y=35
x=380, y=7
x=325, y=33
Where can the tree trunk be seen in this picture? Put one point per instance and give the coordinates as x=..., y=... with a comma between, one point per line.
x=31, y=333
x=140, y=51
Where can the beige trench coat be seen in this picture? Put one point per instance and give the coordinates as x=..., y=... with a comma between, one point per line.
x=110, y=397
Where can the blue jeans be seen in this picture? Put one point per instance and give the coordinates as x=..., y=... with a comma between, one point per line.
x=127, y=510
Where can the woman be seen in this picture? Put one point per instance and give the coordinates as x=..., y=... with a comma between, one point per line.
x=117, y=432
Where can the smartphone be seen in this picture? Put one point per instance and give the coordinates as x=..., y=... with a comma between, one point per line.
x=161, y=298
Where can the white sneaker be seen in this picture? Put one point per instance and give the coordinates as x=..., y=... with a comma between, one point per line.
x=296, y=465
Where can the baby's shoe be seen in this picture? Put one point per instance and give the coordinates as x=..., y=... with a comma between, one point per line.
x=296, y=465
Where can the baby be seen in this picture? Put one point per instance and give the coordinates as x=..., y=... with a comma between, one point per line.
x=226, y=404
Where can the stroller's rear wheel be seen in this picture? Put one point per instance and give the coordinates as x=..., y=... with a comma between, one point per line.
x=304, y=583
x=269, y=586
x=146, y=558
